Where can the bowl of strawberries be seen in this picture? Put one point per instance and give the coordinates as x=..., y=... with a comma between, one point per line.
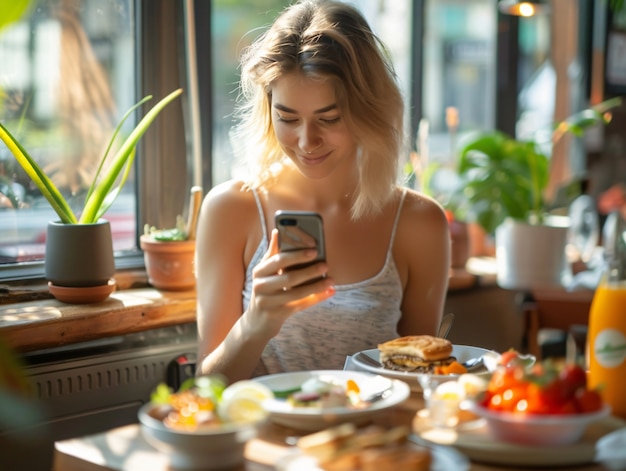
x=547, y=404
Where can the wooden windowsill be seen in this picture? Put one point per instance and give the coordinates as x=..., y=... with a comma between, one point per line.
x=31, y=319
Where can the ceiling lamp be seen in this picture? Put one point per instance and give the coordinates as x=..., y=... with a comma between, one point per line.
x=522, y=7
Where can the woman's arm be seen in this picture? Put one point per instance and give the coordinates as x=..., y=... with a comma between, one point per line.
x=231, y=341
x=422, y=254
x=225, y=227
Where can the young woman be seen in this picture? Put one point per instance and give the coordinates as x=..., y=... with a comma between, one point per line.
x=321, y=127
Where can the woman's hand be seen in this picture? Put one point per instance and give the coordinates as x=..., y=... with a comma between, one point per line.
x=278, y=292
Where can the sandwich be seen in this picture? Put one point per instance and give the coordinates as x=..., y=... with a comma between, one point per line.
x=396, y=458
x=373, y=448
x=327, y=445
x=416, y=353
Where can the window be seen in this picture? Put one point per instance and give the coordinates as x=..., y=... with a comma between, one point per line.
x=65, y=85
x=69, y=71
x=537, y=80
x=443, y=52
x=236, y=24
x=459, y=56
x=457, y=89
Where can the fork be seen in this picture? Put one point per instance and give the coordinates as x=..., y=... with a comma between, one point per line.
x=475, y=364
x=368, y=360
x=378, y=395
x=446, y=325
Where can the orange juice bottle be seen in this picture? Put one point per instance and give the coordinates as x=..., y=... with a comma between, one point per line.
x=606, y=337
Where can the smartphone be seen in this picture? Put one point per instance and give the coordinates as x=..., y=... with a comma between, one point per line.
x=298, y=230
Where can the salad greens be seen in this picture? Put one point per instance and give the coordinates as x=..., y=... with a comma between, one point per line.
x=204, y=386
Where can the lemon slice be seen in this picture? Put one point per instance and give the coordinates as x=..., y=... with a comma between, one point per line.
x=450, y=391
x=472, y=384
x=243, y=402
x=248, y=388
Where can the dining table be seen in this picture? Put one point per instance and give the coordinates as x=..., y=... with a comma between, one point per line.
x=125, y=449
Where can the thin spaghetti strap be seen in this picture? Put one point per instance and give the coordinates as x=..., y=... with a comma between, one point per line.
x=395, y=222
x=261, y=213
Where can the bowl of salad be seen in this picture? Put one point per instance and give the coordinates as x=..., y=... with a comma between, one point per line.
x=205, y=424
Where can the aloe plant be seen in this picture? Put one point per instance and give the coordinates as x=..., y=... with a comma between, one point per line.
x=13, y=10
x=502, y=177
x=102, y=192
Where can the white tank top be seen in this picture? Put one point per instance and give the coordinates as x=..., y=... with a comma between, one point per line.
x=357, y=317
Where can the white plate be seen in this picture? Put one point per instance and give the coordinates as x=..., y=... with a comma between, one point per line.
x=444, y=459
x=315, y=418
x=461, y=352
x=477, y=444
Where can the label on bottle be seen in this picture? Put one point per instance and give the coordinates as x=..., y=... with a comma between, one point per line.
x=610, y=348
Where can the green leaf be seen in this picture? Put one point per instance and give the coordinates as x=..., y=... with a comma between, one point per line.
x=12, y=10
x=168, y=235
x=112, y=195
x=502, y=177
x=112, y=141
x=210, y=386
x=37, y=175
x=580, y=121
x=161, y=394
x=616, y=5
x=285, y=393
x=101, y=193
x=95, y=201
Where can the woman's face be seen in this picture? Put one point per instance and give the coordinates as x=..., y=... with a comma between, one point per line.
x=309, y=125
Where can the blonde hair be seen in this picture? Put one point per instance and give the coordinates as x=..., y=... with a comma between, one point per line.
x=328, y=40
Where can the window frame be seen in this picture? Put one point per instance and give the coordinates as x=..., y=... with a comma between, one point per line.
x=164, y=167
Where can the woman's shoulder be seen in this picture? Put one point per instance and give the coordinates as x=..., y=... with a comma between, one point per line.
x=415, y=201
x=419, y=210
x=232, y=197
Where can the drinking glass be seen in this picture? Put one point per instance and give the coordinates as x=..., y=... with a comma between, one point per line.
x=442, y=397
x=584, y=227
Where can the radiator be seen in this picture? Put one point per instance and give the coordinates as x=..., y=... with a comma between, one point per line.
x=87, y=388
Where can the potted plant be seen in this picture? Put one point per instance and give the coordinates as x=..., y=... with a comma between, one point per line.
x=169, y=254
x=79, y=263
x=503, y=181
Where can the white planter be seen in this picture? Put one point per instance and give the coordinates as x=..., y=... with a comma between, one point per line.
x=529, y=256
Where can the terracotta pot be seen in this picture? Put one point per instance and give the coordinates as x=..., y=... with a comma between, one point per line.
x=460, y=244
x=169, y=265
x=82, y=294
x=481, y=244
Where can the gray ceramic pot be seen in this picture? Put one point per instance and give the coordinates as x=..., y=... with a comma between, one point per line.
x=79, y=255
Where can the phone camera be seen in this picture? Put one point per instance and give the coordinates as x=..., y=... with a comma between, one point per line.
x=288, y=222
